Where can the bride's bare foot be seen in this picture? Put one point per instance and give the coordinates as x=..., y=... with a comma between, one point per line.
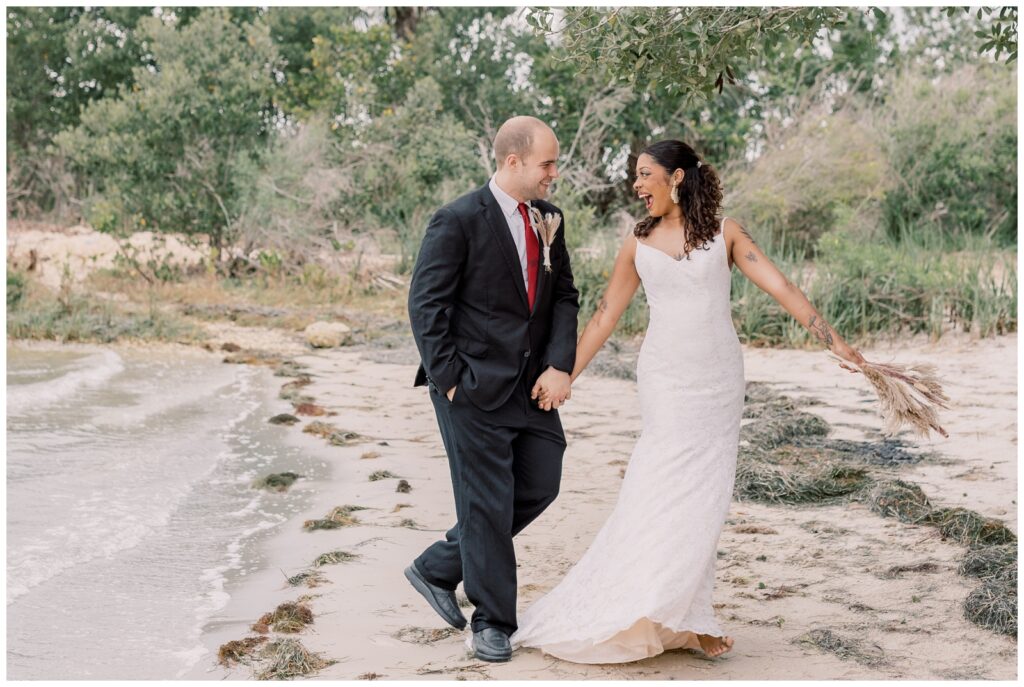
x=714, y=646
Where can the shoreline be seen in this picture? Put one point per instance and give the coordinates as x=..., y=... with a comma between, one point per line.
x=170, y=439
x=369, y=619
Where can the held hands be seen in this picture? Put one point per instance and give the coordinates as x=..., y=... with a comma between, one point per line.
x=553, y=389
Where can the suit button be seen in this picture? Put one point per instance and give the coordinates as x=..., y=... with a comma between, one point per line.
x=526, y=355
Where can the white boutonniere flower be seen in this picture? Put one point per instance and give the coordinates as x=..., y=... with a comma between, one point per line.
x=547, y=226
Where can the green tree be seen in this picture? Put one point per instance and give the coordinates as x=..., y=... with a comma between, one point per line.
x=36, y=53
x=685, y=51
x=166, y=152
x=1001, y=36
x=408, y=163
x=952, y=142
x=298, y=32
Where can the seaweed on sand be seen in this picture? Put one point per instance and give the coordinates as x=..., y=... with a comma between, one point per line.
x=287, y=617
x=278, y=481
x=340, y=516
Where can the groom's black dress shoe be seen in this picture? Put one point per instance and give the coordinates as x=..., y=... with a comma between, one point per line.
x=441, y=600
x=491, y=644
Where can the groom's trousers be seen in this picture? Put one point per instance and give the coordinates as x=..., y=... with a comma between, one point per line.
x=506, y=465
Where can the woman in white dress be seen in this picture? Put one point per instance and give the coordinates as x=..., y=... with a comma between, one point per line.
x=644, y=585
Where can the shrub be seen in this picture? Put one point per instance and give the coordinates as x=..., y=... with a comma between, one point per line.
x=952, y=144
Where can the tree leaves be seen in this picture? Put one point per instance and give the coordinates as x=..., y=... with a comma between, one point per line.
x=690, y=43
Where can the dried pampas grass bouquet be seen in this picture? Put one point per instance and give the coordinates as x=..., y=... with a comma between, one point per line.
x=909, y=395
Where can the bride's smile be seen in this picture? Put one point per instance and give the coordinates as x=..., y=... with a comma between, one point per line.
x=653, y=186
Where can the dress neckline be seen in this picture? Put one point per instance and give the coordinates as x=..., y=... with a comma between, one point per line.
x=670, y=257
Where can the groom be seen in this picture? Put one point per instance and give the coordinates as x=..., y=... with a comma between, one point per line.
x=493, y=326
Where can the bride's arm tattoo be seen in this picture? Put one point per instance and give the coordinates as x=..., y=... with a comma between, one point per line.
x=746, y=233
x=595, y=319
x=821, y=329
x=750, y=256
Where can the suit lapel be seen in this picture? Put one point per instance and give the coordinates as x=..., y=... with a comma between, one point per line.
x=499, y=228
x=542, y=273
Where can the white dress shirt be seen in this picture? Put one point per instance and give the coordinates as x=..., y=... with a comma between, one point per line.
x=510, y=209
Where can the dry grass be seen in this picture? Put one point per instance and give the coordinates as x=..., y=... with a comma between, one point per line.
x=271, y=300
x=888, y=452
x=254, y=357
x=781, y=428
x=238, y=650
x=896, y=498
x=279, y=481
x=340, y=516
x=999, y=562
x=334, y=436
x=284, y=659
x=288, y=617
x=290, y=368
x=969, y=528
x=320, y=429
x=334, y=557
x=758, y=480
x=309, y=408
x=291, y=390
x=787, y=459
x=844, y=647
x=909, y=396
x=381, y=474
x=993, y=554
x=993, y=605
x=310, y=578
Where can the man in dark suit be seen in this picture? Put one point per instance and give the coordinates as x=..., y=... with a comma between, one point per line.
x=494, y=326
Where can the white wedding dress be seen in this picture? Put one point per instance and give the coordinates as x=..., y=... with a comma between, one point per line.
x=644, y=585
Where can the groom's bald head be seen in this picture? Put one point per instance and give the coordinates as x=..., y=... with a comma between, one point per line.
x=517, y=136
x=526, y=151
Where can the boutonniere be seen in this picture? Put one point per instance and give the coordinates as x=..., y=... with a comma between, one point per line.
x=547, y=226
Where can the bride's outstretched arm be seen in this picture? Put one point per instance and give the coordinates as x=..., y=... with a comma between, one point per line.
x=759, y=269
x=619, y=292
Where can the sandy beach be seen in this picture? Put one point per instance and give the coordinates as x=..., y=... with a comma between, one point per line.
x=783, y=571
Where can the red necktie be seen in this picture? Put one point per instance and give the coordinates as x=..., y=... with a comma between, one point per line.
x=532, y=256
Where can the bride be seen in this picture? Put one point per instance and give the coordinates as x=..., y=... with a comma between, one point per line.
x=644, y=585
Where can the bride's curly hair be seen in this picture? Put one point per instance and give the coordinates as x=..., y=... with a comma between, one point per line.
x=700, y=194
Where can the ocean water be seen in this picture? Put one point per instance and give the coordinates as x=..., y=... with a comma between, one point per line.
x=130, y=511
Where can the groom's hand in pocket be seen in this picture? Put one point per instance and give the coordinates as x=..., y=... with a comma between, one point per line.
x=552, y=389
x=451, y=393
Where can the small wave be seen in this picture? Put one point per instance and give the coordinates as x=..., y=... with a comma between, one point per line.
x=90, y=371
x=165, y=398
